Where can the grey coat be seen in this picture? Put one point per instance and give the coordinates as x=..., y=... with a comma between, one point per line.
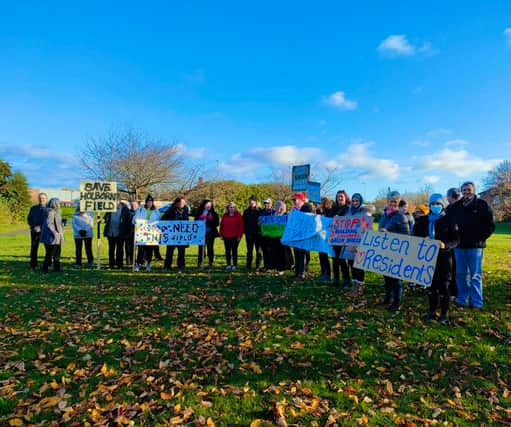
x=52, y=232
x=395, y=222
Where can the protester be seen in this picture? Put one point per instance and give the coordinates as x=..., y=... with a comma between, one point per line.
x=420, y=211
x=231, y=231
x=35, y=221
x=393, y=221
x=83, y=232
x=301, y=205
x=324, y=209
x=177, y=212
x=403, y=208
x=267, y=210
x=207, y=213
x=357, y=274
x=252, y=233
x=149, y=213
x=453, y=195
x=439, y=226
x=340, y=208
x=129, y=244
x=476, y=224
x=117, y=230
x=279, y=253
x=52, y=236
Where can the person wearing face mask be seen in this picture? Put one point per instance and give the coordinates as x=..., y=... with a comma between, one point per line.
x=476, y=224
x=439, y=226
x=393, y=221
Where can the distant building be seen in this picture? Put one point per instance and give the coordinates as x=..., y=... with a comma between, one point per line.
x=67, y=196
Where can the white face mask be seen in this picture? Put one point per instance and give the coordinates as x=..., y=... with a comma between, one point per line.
x=436, y=209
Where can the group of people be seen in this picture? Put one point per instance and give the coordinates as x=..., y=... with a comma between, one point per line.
x=462, y=222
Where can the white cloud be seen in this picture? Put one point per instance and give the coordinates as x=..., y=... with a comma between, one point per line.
x=456, y=143
x=439, y=132
x=458, y=162
x=338, y=100
x=192, y=153
x=358, y=156
x=262, y=160
x=431, y=179
x=396, y=45
x=507, y=35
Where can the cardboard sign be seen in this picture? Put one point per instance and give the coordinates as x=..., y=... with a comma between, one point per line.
x=348, y=230
x=300, y=177
x=397, y=255
x=97, y=196
x=314, y=191
x=173, y=233
x=308, y=231
x=273, y=225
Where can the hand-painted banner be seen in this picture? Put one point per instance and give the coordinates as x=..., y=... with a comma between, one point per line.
x=98, y=196
x=173, y=233
x=348, y=230
x=396, y=255
x=273, y=225
x=308, y=231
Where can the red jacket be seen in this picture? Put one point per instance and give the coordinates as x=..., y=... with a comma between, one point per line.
x=231, y=226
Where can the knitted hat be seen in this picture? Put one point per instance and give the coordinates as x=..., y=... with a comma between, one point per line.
x=437, y=198
x=423, y=209
x=359, y=197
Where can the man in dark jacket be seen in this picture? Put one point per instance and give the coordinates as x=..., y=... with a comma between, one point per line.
x=476, y=224
x=177, y=212
x=252, y=232
x=35, y=219
x=117, y=230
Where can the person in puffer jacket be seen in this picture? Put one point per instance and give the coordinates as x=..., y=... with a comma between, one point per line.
x=52, y=235
x=439, y=226
x=393, y=221
x=83, y=232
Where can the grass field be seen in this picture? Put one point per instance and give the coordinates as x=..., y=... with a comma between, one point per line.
x=87, y=347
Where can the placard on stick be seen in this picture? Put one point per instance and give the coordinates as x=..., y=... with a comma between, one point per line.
x=98, y=196
x=300, y=177
x=396, y=255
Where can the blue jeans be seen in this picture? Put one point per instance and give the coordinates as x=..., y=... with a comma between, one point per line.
x=469, y=279
x=393, y=289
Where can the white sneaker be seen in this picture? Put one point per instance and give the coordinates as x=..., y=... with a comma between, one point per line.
x=137, y=267
x=148, y=267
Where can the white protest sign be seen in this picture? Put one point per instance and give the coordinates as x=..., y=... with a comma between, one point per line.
x=173, y=233
x=348, y=230
x=307, y=231
x=300, y=177
x=397, y=255
x=97, y=196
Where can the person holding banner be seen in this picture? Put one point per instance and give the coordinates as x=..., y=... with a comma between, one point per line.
x=149, y=213
x=357, y=274
x=252, y=233
x=393, y=221
x=324, y=208
x=52, y=236
x=267, y=210
x=279, y=253
x=177, y=212
x=207, y=213
x=299, y=204
x=83, y=232
x=117, y=230
x=340, y=208
x=439, y=226
x=231, y=231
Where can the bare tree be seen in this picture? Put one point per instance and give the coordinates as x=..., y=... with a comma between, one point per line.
x=134, y=160
x=498, y=193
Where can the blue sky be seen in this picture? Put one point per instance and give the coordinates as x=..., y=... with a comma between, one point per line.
x=394, y=97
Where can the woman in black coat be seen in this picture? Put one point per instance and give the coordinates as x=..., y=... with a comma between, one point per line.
x=439, y=226
x=207, y=213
